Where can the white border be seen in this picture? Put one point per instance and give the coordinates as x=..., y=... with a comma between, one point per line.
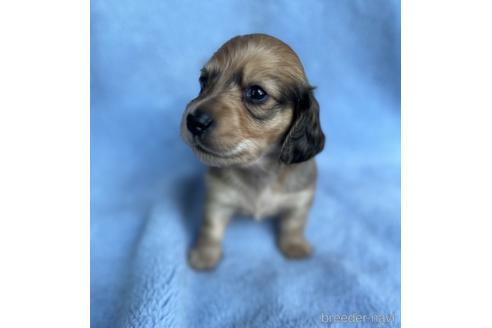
x=44, y=165
x=446, y=152
x=44, y=170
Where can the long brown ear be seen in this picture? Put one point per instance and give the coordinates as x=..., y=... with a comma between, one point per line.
x=305, y=138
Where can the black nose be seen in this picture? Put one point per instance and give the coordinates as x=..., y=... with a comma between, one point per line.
x=198, y=122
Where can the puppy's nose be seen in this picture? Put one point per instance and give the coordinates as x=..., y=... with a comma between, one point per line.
x=198, y=122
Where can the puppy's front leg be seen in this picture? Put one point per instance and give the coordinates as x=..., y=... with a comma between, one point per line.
x=291, y=240
x=207, y=250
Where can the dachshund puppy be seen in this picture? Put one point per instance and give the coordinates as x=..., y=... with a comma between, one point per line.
x=256, y=125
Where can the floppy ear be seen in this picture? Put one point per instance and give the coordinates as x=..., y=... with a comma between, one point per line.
x=305, y=138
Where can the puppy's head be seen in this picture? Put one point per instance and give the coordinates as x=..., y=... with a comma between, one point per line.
x=254, y=101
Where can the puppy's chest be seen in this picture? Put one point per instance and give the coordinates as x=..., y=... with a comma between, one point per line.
x=262, y=203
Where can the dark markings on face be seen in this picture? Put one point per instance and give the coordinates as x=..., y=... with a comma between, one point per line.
x=237, y=79
x=259, y=112
x=264, y=112
x=207, y=79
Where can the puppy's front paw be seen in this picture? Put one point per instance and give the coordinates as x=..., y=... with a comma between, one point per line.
x=295, y=248
x=205, y=255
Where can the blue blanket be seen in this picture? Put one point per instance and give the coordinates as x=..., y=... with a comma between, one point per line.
x=147, y=187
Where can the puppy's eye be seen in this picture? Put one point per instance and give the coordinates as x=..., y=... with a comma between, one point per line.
x=256, y=94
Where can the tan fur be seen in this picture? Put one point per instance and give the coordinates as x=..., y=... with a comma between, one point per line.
x=242, y=150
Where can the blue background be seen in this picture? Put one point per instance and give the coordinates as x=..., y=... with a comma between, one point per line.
x=147, y=188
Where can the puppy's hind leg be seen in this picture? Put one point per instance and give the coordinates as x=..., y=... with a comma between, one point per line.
x=207, y=251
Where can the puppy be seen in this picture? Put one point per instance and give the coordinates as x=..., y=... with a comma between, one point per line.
x=256, y=125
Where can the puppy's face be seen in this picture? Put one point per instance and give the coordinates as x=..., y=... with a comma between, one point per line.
x=253, y=95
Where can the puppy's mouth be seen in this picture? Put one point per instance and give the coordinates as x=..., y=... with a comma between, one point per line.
x=204, y=149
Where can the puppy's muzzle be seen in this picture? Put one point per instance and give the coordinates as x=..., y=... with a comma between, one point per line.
x=198, y=122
